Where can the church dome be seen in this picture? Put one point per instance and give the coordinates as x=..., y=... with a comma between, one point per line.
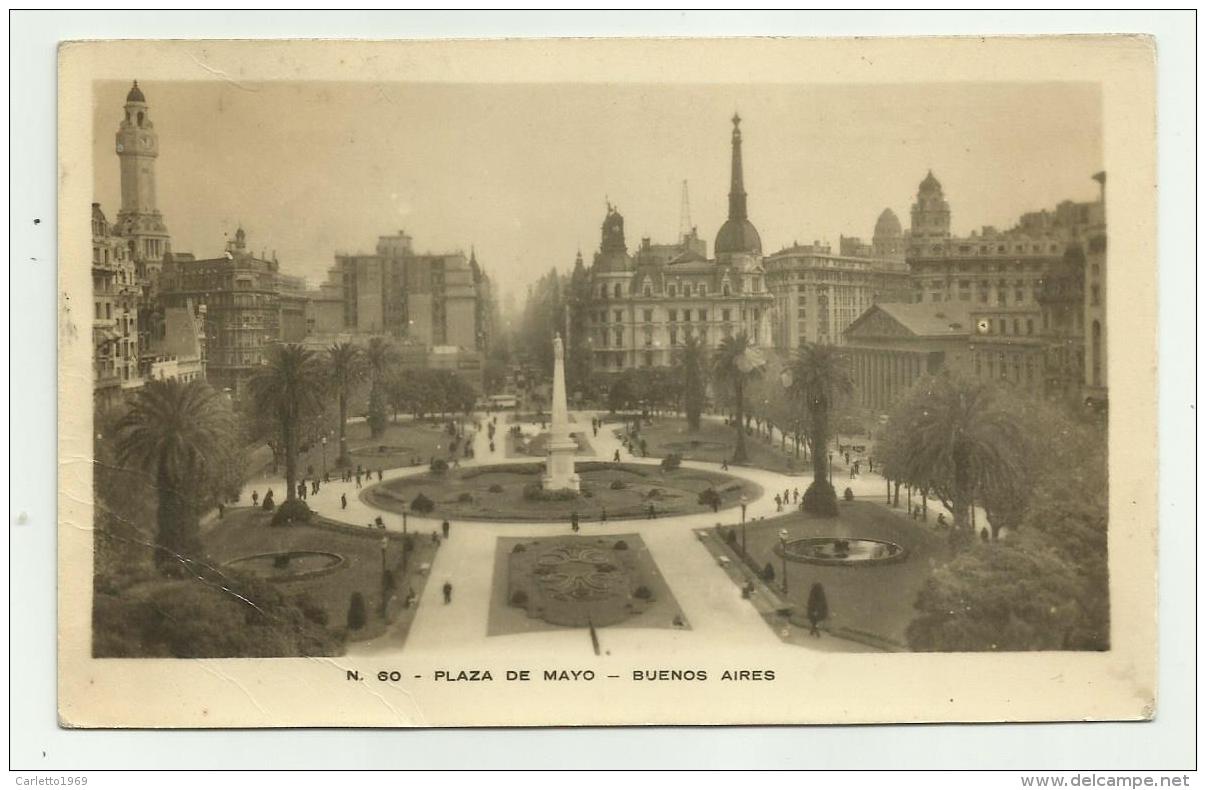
x=738, y=235
x=888, y=225
x=135, y=94
x=929, y=183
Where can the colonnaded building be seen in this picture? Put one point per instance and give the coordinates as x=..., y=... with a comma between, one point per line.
x=1025, y=305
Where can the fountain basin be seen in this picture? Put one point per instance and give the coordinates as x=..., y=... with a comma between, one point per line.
x=843, y=551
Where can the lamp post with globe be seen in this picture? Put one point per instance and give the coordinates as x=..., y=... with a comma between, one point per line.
x=744, y=501
x=324, y=456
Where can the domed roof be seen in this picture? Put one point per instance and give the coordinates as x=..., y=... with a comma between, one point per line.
x=888, y=224
x=135, y=94
x=738, y=235
x=929, y=183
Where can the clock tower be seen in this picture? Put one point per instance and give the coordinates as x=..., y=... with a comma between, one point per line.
x=139, y=220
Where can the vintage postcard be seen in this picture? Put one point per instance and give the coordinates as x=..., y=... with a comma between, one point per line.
x=607, y=382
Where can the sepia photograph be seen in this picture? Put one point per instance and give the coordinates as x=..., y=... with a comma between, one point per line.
x=497, y=390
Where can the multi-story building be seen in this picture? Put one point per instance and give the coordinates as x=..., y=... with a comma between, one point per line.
x=643, y=307
x=116, y=295
x=1094, y=243
x=1014, y=304
x=428, y=298
x=818, y=294
x=244, y=309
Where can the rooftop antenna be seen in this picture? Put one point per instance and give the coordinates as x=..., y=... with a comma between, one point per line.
x=684, y=215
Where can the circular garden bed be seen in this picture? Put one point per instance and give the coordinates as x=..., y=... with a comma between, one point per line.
x=512, y=492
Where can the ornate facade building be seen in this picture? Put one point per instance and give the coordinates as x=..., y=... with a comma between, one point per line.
x=643, y=307
x=116, y=294
x=1002, y=305
x=819, y=294
x=240, y=300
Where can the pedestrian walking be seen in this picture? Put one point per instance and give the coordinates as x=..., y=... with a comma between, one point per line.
x=724, y=464
x=255, y=498
x=343, y=501
x=380, y=476
x=358, y=480
x=445, y=527
x=574, y=521
x=603, y=516
x=616, y=458
x=818, y=609
x=795, y=495
x=652, y=511
x=221, y=511
x=447, y=592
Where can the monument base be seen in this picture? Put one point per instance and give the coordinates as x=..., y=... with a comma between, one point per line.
x=559, y=467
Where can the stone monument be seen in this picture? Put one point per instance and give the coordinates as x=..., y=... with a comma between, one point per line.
x=559, y=467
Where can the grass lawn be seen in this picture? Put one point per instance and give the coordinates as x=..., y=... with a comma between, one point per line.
x=869, y=603
x=714, y=442
x=586, y=575
x=246, y=531
x=401, y=443
x=467, y=494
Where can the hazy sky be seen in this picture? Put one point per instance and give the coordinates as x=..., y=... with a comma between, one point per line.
x=522, y=171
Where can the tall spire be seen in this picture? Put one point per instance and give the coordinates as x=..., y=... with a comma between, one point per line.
x=737, y=185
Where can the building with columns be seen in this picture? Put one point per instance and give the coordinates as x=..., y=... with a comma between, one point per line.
x=116, y=295
x=1008, y=306
x=139, y=221
x=643, y=307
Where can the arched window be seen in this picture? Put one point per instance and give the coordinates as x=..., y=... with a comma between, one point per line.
x=673, y=290
x=140, y=117
x=724, y=290
x=603, y=291
x=617, y=291
x=648, y=290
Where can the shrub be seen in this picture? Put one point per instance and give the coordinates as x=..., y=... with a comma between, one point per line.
x=730, y=536
x=495, y=488
x=519, y=598
x=535, y=492
x=605, y=567
x=620, y=545
x=643, y=592
x=519, y=548
x=290, y=512
x=464, y=496
x=711, y=498
x=654, y=493
x=421, y=504
x=280, y=561
x=408, y=543
x=439, y=466
x=848, y=495
x=618, y=485
x=357, y=617
x=670, y=462
x=768, y=573
x=820, y=499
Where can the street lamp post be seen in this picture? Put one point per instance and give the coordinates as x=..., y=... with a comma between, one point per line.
x=324, y=456
x=783, y=551
x=744, y=502
x=384, y=576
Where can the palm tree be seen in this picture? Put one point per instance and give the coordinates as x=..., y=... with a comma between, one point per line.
x=736, y=362
x=181, y=433
x=820, y=374
x=380, y=356
x=288, y=390
x=952, y=436
x=345, y=369
x=693, y=360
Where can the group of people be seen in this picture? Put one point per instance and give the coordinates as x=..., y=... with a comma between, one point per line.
x=788, y=497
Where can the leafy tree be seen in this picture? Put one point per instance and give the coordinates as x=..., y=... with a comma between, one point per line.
x=345, y=370
x=289, y=389
x=736, y=362
x=182, y=433
x=377, y=416
x=820, y=375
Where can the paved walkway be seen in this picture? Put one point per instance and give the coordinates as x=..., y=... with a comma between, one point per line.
x=719, y=617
